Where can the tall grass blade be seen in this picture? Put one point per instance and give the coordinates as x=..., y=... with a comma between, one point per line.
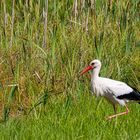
x=6, y=110
x=41, y=100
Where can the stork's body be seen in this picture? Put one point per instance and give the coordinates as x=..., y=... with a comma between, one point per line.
x=114, y=91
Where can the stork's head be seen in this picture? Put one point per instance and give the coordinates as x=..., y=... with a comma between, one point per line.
x=95, y=64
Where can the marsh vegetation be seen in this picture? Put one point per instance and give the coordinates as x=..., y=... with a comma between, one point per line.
x=43, y=47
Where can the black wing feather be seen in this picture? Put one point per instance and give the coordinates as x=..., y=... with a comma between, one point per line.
x=134, y=95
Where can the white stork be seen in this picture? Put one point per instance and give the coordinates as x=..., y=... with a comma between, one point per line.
x=114, y=91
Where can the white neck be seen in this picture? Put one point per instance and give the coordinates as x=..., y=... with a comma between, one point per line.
x=95, y=73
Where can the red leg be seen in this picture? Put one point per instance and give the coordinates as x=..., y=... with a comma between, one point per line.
x=119, y=114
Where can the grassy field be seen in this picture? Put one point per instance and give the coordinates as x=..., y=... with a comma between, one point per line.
x=43, y=47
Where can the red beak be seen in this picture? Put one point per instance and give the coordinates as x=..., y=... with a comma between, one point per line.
x=86, y=70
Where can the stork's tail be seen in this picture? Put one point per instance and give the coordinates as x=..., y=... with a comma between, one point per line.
x=134, y=95
x=139, y=99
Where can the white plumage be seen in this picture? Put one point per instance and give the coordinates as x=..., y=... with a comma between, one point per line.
x=114, y=91
x=110, y=89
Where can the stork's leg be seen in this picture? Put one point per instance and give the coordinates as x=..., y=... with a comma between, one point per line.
x=119, y=114
x=115, y=108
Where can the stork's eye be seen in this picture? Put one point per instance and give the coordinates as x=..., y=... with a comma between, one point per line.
x=92, y=63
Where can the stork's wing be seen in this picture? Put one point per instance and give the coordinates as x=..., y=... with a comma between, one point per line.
x=117, y=88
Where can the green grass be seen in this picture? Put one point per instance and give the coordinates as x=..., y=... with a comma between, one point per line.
x=41, y=93
x=83, y=118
